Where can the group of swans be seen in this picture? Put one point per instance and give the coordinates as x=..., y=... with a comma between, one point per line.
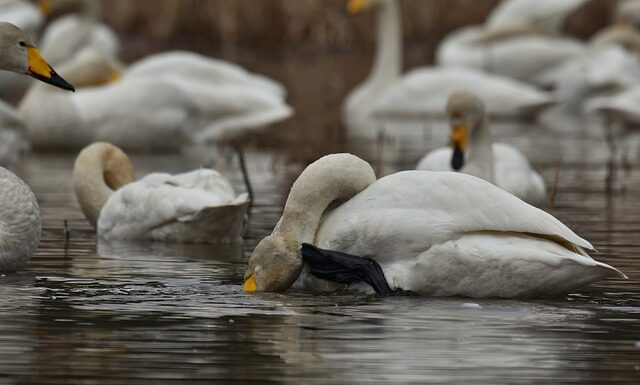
x=386, y=93
x=200, y=99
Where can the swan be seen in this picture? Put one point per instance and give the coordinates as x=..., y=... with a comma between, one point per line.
x=20, y=224
x=385, y=92
x=431, y=233
x=195, y=207
x=518, y=55
x=22, y=14
x=70, y=34
x=145, y=113
x=519, y=40
x=546, y=16
x=473, y=152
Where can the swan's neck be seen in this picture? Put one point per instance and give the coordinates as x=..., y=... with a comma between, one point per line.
x=387, y=65
x=480, y=161
x=99, y=170
x=332, y=179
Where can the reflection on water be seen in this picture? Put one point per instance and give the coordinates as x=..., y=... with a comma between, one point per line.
x=123, y=313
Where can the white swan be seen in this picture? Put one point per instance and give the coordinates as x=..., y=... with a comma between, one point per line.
x=519, y=40
x=146, y=113
x=432, y=233
x=546, y=16
x=518, y=55
x=195, y=207
x=22, y=14
x=475, y=153
x=20, y=224
x=386, y=93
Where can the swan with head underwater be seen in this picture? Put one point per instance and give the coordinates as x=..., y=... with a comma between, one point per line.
x=423, y=91
x=196, y=207
x=431, y=233
x=20, y=224
x=473, y=152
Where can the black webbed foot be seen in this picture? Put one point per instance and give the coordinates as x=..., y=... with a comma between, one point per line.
x=344, y=268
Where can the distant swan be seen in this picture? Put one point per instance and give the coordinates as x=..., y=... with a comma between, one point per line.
x=431, y=233
x=195, y=207
x=474, y=152
x=159, y=112
x=424, y=91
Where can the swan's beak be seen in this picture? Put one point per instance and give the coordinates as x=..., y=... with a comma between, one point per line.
x=354, y=7
x=41, y=70
x=45, y=7
x=250, y=285
x=459, y=138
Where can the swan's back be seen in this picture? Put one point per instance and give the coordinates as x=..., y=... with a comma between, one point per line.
x=159, y=207
x=202, y=69
x=20, y=224
x=424, y=92
x=418, y=209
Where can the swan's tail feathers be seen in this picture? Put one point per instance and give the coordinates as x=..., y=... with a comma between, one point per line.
x=238, y=126
x=343, y=268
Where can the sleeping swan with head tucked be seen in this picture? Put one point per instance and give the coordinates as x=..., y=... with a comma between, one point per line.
x=431, y=233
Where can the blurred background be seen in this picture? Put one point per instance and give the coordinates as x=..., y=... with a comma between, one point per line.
x=310, y=46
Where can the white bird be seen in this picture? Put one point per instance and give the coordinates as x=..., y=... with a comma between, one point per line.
x=516, y=54
x=159, y=112
x=546, y=16
x=386, y=93
x=432, y=233
x=473, y=152
x=20, y=226
x=22, y=14
x=196, y=207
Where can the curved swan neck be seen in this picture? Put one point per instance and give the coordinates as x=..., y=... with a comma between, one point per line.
x=480, y=151
x=332, y=178
x=387, y=65
x=100, y=169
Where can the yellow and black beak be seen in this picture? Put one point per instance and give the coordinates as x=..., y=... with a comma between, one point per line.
x=459, y=138
x=41, y=70
x=355, y=7
x=250, y=285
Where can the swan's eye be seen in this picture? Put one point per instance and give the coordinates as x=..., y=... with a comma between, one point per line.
x=22, y=44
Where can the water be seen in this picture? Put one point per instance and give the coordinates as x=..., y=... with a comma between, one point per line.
x=86, y=312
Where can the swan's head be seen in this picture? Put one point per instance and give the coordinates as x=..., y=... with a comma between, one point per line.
x=355, y=7
x=19, y=54
x=465, y=112
x=274, y=265
x=49, y=7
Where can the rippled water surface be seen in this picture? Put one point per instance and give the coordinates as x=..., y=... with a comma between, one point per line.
x=93, y=312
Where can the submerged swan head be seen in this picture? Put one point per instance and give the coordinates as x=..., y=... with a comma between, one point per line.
x=276, y=262
x=100, y=169
x=19, y=54
x=466, y=114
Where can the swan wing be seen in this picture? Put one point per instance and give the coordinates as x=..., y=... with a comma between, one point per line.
x=406, y=213
x=514, y=173
x=424, y=92
x=547, y=15
x=202, y=69
x=158, y=200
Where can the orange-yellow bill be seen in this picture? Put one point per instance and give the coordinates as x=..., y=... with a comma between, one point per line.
x=41, y=70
